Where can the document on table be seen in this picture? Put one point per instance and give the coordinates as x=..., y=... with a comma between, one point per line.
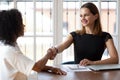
x=77, y=67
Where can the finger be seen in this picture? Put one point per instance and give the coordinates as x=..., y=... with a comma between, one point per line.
x=49, y=50
x=64, y=73
x=60, y=72
x=81, y=62
x=53, y=57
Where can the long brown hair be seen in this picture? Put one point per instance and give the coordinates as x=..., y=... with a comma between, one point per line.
x=97, y=26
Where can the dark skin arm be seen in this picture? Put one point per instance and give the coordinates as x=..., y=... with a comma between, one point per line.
x=41, y=66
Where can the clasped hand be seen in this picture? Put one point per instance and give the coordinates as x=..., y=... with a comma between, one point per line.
x=52, y=53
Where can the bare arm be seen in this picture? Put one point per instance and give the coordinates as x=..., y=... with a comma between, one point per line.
x=65, y=44
x=60, y=47
x=39, y=65
x=112, y=52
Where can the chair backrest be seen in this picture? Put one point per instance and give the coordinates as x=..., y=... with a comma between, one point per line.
x=69, y=62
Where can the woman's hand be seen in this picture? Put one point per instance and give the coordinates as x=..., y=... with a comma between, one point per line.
x=58, y=71
x=53, y=51
x=85, y=62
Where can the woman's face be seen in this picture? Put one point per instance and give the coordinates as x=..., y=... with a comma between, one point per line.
x=87, y=18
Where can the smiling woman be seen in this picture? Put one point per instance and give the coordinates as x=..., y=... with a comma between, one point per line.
x=90, y=41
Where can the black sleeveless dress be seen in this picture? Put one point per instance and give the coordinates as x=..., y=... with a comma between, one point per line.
x=89, y=46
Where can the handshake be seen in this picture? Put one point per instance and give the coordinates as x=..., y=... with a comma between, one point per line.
x=51, y=53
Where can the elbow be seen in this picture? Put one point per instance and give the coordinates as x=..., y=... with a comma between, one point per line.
x=37, y=68
x=116, y=60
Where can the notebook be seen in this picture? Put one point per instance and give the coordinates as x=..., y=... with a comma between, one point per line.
x=104, y=67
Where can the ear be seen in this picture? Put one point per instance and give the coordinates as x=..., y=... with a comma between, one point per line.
x=96, y=16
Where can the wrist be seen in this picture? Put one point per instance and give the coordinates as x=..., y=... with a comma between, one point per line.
x=94, y=62
x=56, y=49
x=50, y=69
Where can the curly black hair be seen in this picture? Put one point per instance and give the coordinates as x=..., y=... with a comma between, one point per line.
x=11, y=26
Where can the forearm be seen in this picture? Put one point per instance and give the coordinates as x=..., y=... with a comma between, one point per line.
x=40, y=64
x=65, y=44
x=61, y=47
x=107, y=61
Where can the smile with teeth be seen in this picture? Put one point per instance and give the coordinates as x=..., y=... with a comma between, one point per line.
x=84, y=21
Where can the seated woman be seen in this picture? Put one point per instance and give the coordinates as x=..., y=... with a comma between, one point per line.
x=90, y=41
x=12, y=61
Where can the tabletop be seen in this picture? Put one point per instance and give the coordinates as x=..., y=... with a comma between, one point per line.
x=81, y=75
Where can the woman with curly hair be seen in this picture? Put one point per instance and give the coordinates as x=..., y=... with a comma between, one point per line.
x=12, y=62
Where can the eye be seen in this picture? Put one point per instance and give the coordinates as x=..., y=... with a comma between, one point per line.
x=80, y=15
x=86, y=14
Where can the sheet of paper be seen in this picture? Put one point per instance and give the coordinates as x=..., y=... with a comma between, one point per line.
x=76, y=67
